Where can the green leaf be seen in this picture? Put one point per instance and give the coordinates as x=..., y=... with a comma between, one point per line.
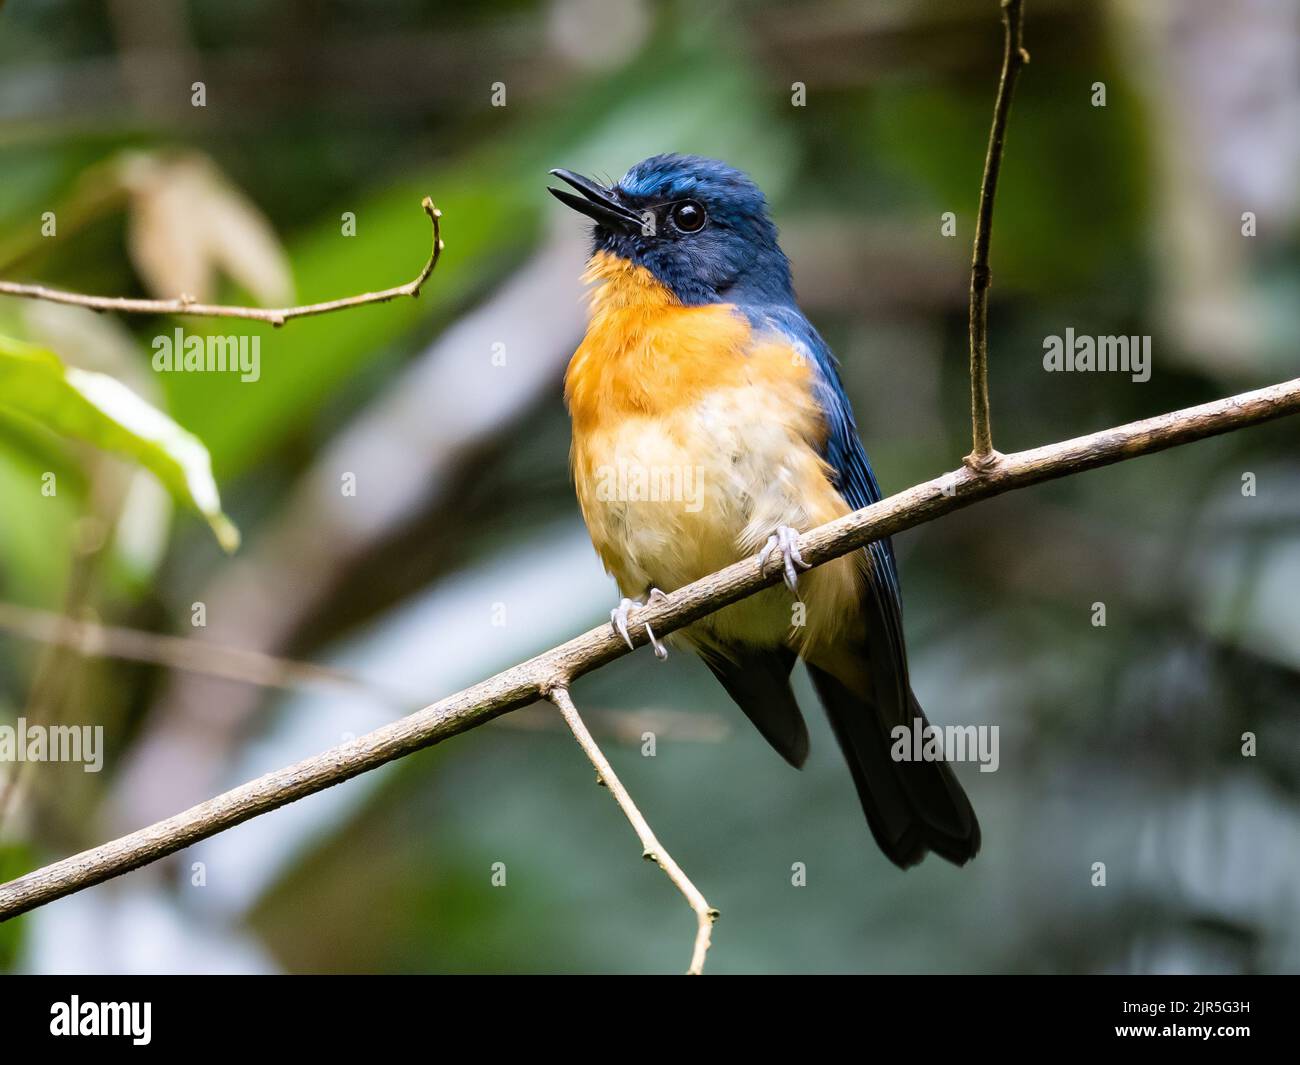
x=102, y=411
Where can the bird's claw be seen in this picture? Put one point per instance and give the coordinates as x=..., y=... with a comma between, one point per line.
x=618, y=618
x=786, y=540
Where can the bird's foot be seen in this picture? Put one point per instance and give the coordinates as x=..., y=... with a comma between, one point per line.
x=785, y=540
x=619, y=616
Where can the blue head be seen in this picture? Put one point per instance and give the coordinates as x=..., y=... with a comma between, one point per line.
x=699, y=226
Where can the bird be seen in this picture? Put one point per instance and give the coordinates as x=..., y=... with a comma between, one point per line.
x=709, y=424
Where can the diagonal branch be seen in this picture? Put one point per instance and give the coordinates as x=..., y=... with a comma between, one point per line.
x=652, y=850
x=275, y=316
x=531, y=680
x=1014, y=57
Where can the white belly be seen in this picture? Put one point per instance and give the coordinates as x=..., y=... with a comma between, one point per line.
x=672, y=498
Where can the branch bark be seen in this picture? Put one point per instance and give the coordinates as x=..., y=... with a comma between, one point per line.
x=1014, y=57
x=558, y=667
x=651, y=849
x=275, y=316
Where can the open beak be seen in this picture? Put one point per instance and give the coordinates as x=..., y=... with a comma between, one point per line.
x=596, y=202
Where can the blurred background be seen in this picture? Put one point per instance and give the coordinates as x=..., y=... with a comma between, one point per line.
x=462, y=550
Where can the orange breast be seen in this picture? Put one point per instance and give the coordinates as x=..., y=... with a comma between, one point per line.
x=694, y=437
x=644, y=352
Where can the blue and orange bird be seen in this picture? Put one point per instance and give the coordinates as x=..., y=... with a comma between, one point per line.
x=698, y=368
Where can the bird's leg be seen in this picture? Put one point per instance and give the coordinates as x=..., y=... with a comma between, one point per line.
x=618, y=618
x=786, y=540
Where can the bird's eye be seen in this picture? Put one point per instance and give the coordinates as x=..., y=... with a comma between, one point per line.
x=688, y=216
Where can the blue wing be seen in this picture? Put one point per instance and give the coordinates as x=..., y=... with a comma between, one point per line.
x=911, y=808
x=844, y=453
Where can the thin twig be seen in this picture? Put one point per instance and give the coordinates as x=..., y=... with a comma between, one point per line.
x=56, y=671
x=525, y=683
x=651, y=849
x=275, y=316
x=629, y=727
x=94, y=639
x=1014, y=57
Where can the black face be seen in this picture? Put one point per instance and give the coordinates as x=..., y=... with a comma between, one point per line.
x=699, y=226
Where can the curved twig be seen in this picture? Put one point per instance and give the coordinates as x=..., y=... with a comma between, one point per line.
x=1014, y=57
x=276, y=316
x=651, y=849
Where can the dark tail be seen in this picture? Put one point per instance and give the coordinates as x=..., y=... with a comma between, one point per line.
x=911, y=807
x=759, y=681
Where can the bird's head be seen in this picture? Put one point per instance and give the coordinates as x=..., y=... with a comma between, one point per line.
x=699, y=226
